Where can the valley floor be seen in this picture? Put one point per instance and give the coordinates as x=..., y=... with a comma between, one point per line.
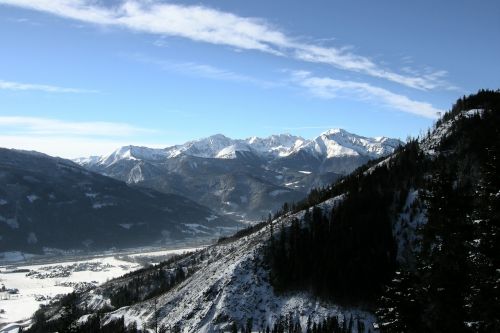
x=31, y=284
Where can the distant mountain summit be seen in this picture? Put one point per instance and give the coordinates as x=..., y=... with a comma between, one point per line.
x=330, y=144
x=246, y=177
x=340, y=143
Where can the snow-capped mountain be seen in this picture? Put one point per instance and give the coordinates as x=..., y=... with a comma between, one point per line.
x=340, y=143
x=248, y=177
x=330, y=144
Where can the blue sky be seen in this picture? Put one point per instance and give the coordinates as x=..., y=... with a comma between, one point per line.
x=81, y=77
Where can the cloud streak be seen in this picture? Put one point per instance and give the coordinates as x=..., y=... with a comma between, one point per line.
x=17, y=86
x=204, y=71
x=328, y=88
x=47, y=126
x=203, y=24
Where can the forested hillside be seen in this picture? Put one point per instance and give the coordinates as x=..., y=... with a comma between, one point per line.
x=448, y=280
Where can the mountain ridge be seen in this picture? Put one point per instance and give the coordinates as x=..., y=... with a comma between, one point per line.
x=248, y=178
x=277, y=145
x=50, y=202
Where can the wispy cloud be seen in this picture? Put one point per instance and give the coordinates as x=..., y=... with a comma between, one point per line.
x=328, y=88
x=203, y=24
x=10, y=85
x=47, y=126
x=204, y=71
x=24, y=20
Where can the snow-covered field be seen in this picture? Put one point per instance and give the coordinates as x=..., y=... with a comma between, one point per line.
x=38, y=284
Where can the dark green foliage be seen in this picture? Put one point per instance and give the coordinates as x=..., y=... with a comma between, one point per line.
x=93, y=325
x=456, y=286
x=243, y=232
x=146, y=286
x=288, y=324
x=348, y=253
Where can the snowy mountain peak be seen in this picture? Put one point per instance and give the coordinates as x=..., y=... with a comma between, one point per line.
x=338, y=142
x=334, y=131
x=129, y=153
x=275, y=145
x=335, y=142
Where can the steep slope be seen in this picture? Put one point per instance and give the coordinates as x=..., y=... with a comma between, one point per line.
x=248, y=177
x=55, y=203
x=220, y=287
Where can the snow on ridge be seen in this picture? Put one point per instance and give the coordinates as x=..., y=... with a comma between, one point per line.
x=340, y=143
x=211, y=218
x=87, y=160
x=275, y=193
x=232, y=285
x=473, y=112
x=130, y=153
x=430, y=143
x=99, y=205
x=331, y=143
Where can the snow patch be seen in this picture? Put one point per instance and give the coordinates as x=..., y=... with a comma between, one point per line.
x=32, y=198
x=32, y=239
x=275, y=193
x=473, y=112
x=211, y=218
x=197, y=228
x=99, y=205
x=15, y=256
x=11, y=221
x=406, y=226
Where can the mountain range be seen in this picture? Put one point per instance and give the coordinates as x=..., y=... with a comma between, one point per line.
x=248, y=178
x=48, y=202
x=406, y=243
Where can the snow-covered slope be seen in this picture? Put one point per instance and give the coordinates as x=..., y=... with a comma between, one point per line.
x=441, y=130
x=338, y=143
x=230, y=285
